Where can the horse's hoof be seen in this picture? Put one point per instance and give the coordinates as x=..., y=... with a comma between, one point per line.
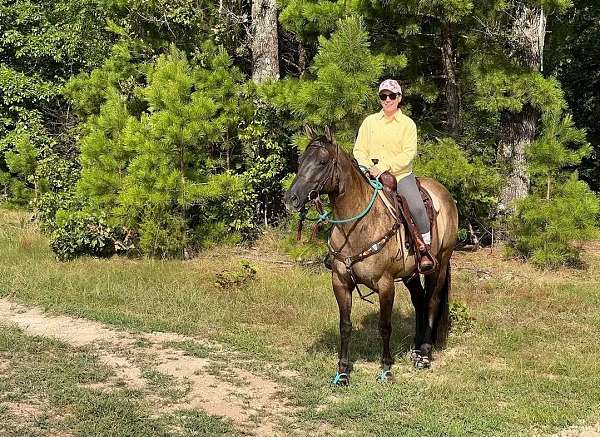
x=422, y=363
x=341, y=380
x=419, y=361
x=385, y=376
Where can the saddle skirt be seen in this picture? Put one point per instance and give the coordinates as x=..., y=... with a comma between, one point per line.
x=398, y=209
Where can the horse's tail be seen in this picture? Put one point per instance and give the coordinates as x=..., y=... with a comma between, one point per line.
x=442, y=327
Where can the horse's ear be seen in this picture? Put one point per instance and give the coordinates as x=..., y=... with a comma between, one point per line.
x=329, y=134
x=309, y=132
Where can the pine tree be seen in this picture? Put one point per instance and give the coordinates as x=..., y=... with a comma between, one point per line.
x=164, y=171
x=560, y=146
x=428, y=33
x=561, y=210
x=343, y=91
x=508, y=79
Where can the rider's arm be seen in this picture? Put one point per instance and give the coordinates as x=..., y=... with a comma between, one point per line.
x=361, y=145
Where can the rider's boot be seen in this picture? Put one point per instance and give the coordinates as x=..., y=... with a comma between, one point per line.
x=426, y=263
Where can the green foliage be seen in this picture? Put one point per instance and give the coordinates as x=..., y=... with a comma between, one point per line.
x=562, y=209
x=185, y=155
x=560, y=145
x=41, y=45
x=20, y=160
x=473, y=184
x=159, y=172
x=268, y=156
x=161, y=136
x=461, y=320
x=243, y=275
x=118, y=74
x=78, y=233
x=547, y=231
x=33, y=164
x=311, y=18
x=501, y=90
x=572, y=53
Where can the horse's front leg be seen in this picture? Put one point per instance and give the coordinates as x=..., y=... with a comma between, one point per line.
x=386, y=304
x=417, y=296
x=342, y=287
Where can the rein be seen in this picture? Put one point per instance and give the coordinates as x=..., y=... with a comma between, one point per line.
x=324, y=215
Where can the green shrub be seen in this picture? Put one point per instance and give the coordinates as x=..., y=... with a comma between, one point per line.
x=461, y=319
x=547, y=231
x=243, y=275
x=80, y=233
x=473, y=184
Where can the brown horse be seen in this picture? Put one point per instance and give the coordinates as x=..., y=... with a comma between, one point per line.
x=326, y=169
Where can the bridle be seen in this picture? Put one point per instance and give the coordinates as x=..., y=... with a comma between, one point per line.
x=314, y=196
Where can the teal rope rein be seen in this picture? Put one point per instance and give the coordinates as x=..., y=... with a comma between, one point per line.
x=324, y=218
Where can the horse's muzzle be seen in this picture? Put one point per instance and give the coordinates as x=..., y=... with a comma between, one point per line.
x=292, y=202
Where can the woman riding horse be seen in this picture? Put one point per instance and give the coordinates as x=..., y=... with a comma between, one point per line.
x=387, y=143
x=363, y=244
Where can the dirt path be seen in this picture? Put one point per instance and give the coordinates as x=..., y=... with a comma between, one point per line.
x=252, y=402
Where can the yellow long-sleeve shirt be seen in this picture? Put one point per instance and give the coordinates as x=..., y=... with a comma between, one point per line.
x=392, y=142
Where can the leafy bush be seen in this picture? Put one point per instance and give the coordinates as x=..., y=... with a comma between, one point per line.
x=186, y=156
x=268, y=158
x=547, y=230
x=80, y=233
x=473, y=184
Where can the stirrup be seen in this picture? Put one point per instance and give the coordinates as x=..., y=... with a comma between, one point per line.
x=425, y=252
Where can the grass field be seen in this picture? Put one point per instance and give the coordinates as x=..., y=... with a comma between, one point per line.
x=528, y=363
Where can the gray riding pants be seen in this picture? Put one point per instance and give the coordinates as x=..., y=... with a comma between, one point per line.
x=407, y=186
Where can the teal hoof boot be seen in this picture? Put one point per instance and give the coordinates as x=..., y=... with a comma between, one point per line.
x=385, y=376
x=341, y=380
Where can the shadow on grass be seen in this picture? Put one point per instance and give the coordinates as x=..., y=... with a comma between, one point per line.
x=365, y=343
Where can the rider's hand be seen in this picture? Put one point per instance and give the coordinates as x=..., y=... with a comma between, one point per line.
x=374, y=171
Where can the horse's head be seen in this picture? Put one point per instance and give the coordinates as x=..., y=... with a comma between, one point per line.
x=316, y=171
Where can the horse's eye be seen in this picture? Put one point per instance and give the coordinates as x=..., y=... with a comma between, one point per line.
x=323, y=162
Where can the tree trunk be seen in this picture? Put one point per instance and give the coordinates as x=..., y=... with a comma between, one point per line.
x=528, y=36
x=527, y=46
x=452, y=87
x=265, y=53
x=301, y=57
x=518, y=131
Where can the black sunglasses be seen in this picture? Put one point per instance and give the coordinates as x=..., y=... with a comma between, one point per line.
x=392, y=96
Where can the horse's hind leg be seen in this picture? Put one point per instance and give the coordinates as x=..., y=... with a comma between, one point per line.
x=343, y=294
x=386, y=304
x=436, y=322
